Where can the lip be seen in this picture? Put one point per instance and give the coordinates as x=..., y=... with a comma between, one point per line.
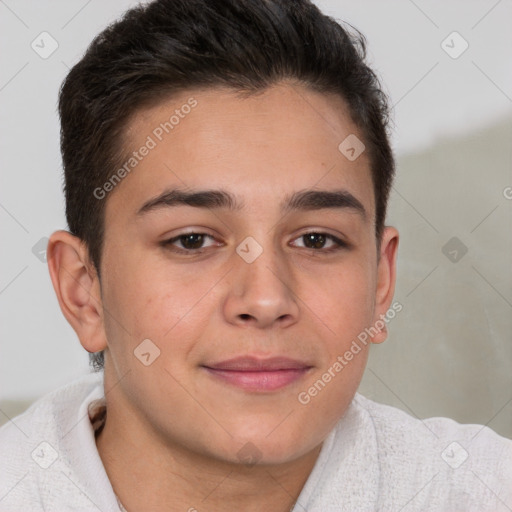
x=256, y=374
x=255, y=364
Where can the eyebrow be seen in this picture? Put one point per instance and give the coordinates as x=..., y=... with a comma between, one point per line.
x=305, y=200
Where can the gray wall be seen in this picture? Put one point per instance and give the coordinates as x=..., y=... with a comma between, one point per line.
x=449, y=352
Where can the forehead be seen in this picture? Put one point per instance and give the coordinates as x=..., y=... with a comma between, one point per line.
x=260, y=146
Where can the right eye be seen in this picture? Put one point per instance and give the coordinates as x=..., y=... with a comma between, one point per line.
x=191, y=243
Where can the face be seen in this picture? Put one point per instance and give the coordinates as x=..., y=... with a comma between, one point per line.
x=261, y=269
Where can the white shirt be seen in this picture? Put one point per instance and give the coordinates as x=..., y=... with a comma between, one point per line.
x=377, y=458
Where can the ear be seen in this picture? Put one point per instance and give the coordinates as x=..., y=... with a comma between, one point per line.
x=77, y=286
x=386, y=278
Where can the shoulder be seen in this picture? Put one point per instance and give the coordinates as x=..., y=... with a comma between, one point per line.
x=36, y=440
x=443, y=460
x=393, y=425
x=41, y=415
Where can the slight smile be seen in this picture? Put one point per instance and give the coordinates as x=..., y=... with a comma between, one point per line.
x=259, y=375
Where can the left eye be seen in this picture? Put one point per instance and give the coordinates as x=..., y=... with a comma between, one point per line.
x=315, y=240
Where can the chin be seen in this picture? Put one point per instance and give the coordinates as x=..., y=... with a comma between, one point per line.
x=269, y=450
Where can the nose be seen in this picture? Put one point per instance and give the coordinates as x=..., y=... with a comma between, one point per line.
x=261, y=293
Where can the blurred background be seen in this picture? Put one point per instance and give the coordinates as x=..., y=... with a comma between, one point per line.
x=447, y=67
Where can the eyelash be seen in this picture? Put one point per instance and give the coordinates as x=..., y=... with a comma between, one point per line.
x=340, y=244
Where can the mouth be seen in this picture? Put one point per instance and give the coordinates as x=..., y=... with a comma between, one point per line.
x=259, y=375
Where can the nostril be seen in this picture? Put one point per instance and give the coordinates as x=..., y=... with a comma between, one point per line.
x=245, y=316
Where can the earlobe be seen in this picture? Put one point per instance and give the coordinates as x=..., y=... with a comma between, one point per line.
x=77, y=286
x=386, y=280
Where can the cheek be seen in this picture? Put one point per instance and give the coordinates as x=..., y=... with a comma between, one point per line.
x=147, y=302
x=345, y=307
x=343, y=298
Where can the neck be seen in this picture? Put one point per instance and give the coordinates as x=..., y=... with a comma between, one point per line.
x=147, y=474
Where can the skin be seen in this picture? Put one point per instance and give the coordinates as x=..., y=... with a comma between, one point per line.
x=171, y=424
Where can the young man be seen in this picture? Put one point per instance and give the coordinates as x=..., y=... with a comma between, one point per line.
x=228, y=265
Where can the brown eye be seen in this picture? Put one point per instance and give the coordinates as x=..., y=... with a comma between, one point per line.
x=188, y=243
x=317, y=241
x=314, y=240
x=192, y=240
